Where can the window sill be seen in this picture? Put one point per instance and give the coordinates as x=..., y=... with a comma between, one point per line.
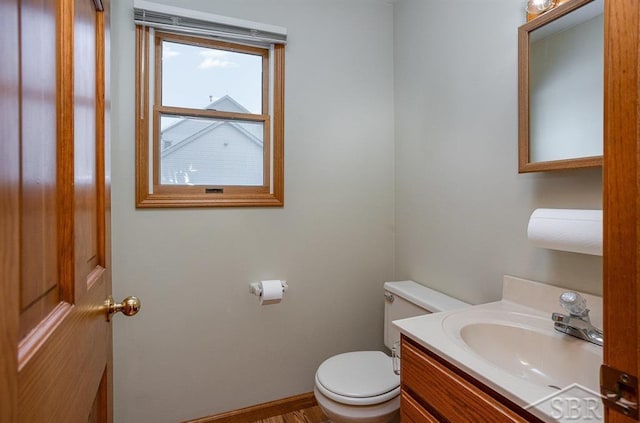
x=209, y=200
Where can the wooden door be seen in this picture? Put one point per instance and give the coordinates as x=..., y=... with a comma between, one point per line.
x=55, y=340
x=622, y=191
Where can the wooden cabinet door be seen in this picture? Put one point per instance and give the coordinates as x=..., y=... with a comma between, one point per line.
x=55, y=340
x=412, y=412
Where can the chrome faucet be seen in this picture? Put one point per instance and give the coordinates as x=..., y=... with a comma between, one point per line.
x=577, y=323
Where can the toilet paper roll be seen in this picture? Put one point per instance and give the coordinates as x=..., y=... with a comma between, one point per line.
x=578, y=231
x=271, y=292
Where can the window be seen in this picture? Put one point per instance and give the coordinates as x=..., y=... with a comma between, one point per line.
x=209, y=119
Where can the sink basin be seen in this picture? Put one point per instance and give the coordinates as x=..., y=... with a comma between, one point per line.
x=527, y=346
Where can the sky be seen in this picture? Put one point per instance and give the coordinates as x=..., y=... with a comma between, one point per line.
x=195, y=76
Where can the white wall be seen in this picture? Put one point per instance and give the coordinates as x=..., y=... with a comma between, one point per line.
x=201, y=343
x=461, y=207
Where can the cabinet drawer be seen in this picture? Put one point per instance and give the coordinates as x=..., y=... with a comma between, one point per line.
x=454, y=398
x=412, y=412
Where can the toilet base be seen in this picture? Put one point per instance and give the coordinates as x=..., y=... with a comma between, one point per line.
x=386, y=412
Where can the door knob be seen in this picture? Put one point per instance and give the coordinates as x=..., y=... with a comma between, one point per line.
x=129, y=306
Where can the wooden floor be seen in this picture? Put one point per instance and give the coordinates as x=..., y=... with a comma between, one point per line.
x=308, y=415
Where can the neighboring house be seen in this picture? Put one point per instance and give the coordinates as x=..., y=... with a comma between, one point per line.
x=197, y=151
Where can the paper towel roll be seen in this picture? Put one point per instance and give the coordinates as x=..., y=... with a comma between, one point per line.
x=578, y=231
x=271, y=292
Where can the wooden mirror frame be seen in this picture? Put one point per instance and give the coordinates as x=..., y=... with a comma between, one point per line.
x=524, y=165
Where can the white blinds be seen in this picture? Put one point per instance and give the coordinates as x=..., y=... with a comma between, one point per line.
x=176, y=19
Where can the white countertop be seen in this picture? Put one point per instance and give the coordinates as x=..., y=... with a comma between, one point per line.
x=441, y=334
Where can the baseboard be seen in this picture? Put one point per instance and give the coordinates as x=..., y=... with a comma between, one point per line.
x=262, y=411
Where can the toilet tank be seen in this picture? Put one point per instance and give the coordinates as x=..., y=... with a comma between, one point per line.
x=406, y=299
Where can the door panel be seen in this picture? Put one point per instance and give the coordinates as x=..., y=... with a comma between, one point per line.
x=9, y=210
x=59, y=379
x=56, y=340
x=86, y=192
x=38, y=229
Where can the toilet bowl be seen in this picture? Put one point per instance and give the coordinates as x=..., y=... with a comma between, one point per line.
x=361, y=386
x=358, y=387
x=387, y=412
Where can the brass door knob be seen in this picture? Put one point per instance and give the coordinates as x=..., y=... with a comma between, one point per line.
x=129, y=306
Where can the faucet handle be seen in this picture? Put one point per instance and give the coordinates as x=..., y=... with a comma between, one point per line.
x=574, y=303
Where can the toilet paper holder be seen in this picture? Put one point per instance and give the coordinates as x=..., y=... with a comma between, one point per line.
x=256, y=289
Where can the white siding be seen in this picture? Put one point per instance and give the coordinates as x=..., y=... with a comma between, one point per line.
x=223, y=155
x=184, y=129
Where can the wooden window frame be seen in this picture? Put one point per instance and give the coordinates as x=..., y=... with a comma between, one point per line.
x=270, y=193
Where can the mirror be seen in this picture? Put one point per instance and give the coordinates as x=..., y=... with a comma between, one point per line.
x=561, y=88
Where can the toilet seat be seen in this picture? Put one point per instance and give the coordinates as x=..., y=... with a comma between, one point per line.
x=358, y=378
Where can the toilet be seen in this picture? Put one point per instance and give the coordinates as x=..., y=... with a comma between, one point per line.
x=361, y=386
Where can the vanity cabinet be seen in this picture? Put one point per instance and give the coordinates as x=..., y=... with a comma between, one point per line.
x=434, y=390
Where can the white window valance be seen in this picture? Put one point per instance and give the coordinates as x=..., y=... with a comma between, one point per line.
x=176, y=19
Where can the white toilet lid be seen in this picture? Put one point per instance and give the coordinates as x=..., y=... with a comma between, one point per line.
x=358, y=378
